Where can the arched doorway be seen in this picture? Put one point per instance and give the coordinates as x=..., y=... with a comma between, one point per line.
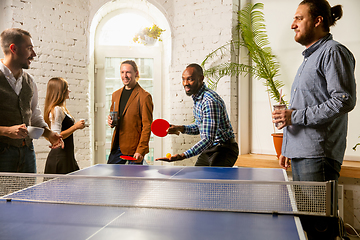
x=113, y=43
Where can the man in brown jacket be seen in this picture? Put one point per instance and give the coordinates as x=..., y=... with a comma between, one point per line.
x=135, y=114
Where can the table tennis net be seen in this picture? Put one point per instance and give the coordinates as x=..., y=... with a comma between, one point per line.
x=310, y=198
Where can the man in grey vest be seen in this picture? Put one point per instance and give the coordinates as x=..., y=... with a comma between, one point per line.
x=19, y=104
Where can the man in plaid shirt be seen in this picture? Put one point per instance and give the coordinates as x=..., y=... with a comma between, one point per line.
x=217, y=146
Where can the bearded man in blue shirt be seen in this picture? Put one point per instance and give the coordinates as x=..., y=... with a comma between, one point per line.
x=322, y=94
x=217, y=146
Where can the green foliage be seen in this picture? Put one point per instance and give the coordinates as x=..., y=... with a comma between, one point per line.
x=253, y=36
x=354, y=148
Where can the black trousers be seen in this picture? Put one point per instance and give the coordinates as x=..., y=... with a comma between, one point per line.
x=223, y=154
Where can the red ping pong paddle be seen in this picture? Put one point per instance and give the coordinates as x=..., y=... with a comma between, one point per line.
x=127, y=158
x=159, y=127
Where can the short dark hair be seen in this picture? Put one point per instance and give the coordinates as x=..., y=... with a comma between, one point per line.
x=198, y=68
x=322, y=8
x=12, y=36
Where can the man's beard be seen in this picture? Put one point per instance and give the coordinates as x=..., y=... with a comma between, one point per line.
x=305, y=39
x=26, y=65
x=188, y=93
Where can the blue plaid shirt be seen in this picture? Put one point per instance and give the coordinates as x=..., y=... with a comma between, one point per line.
x=211, y=121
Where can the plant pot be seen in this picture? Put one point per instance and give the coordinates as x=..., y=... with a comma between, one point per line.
x=277, y=138
x=149, y=41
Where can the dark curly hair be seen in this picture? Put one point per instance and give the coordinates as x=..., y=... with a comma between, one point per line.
x=322, y=8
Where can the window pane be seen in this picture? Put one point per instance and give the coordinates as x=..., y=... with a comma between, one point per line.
x=121, y=29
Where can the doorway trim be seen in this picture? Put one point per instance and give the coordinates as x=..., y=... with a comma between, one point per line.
x=148, y=9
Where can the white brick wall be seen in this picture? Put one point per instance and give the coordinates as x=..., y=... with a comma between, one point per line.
x=198, y=27
x=59, y=30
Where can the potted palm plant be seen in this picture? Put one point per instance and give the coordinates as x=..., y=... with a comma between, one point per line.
x=263, y=66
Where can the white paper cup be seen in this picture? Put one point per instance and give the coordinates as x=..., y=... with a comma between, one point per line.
x=35, y=132
x=87, y=124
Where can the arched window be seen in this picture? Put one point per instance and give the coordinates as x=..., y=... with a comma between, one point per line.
x=120, y=29
x=113, y=44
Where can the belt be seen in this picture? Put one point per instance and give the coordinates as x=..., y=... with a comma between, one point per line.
x=231, y=140
x=23, y=144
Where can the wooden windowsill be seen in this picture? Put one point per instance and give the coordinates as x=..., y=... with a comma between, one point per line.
x=349, y=169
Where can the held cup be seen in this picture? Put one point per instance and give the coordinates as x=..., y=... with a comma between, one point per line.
x=114, y=118
x=279, y=107
x=87, y=124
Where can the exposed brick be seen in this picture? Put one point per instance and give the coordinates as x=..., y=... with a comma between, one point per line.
x=60, y=32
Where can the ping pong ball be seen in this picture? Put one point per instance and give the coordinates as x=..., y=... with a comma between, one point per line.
x=168, y=155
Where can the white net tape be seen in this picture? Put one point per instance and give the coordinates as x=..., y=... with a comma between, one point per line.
x=188, y=194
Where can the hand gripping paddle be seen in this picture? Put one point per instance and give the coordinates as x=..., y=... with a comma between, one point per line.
x=159, y=127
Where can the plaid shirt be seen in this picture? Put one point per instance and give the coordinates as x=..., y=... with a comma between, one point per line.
x=211, y=121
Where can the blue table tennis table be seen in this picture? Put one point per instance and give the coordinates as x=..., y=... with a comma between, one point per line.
x=44, y=221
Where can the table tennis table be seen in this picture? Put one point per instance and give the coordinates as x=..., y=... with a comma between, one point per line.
x=40, y=221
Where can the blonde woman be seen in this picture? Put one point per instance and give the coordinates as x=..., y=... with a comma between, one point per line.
x=58, y=117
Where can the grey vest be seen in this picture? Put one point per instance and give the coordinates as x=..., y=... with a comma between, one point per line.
x=14, y=109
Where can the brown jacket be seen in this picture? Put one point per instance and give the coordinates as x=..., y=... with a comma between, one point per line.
x=135, y=123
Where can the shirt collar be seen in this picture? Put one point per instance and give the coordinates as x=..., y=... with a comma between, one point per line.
x=198, y=95
x=310, y=50
x=8, y=74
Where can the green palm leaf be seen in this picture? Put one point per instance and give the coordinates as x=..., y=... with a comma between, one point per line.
x=253, y=36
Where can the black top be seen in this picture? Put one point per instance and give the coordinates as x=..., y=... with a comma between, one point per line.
x=125, y=95
x=63, y=160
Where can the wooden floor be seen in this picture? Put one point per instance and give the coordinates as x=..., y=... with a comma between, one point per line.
x=349, y=169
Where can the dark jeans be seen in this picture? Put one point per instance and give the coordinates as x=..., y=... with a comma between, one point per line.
x=223, y=154
x=315, y=169
x=17, y=159
x=114, y=158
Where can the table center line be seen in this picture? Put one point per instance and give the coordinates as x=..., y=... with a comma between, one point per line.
x=105, y=226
